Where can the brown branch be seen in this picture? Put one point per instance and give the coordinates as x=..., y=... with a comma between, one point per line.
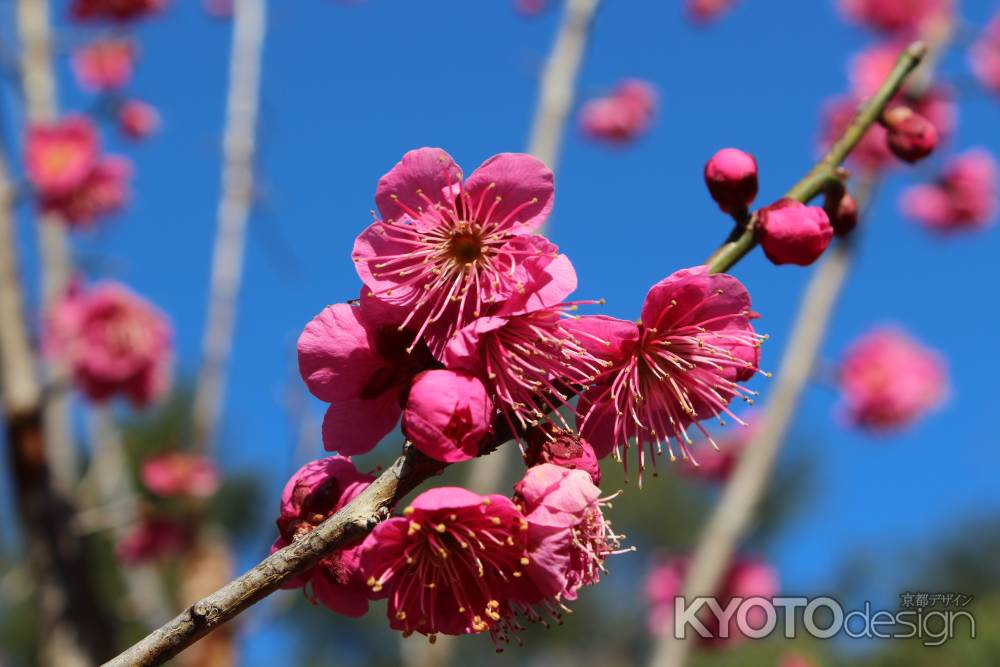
x=249, y=22
x=355, y=520
x=77, y=629
x=348, y=525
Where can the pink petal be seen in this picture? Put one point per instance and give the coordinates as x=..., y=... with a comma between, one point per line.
x=462, y=351
x=370, y=246
x=698, y=299
x=605, y=337
x=519, y=178
x=356, y=425
x=430, y=170
x=335, y=357
x=599, y=427
x=549, y=279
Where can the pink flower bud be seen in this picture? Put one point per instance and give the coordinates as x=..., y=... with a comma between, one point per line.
x=731, y=177
x=842, y=211
x=447, y=414
x=548, y=444
x=138, y=120
x=792, y=233
x=910, y=137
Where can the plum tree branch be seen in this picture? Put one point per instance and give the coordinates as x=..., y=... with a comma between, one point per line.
x=358, y=518
x=825, y=171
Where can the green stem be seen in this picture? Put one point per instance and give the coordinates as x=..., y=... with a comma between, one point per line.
x=825, y=171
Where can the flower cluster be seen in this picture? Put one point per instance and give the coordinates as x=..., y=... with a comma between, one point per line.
x=113, y=341
x=463, y=333
x=963, y=197
x=463, y=323
x=64, y=164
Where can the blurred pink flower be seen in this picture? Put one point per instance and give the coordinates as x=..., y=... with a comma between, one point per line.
x=138, y=120
x=964, y=197
x=119, y=11
x=153, y=538
x=59, y=156
x=911, y=137
x=679, y=365
x=530, y=7
x=706, y=11
x=790, y=232
x=355, y=358
x=731, y=178
x=104, y=64
x=532, y=363
x=313, y=494
x=621, y=116
x=896, y=16
x=889, y=381
x=568, y=536
x=453, y=563
x=547, y=443
x=985, y=56
x=448, y=414
x=113, y=341
x=450, y=252
x=104, y=191
x=745, y=578
x=716, y=465
x=178, y=473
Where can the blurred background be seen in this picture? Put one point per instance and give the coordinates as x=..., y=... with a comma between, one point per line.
x=346, y=88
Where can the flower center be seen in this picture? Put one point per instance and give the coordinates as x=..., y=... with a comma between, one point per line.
x=465, y=247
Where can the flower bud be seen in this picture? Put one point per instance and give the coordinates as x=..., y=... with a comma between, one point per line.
x=792, y=233
x=447, y=414
x=911, y=137
x=731, y=177
x=842, y=211
x=548, y=444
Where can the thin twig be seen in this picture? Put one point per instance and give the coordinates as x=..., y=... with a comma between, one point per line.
x=235, y=204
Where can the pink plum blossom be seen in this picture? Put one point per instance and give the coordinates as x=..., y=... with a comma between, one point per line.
x=547, y=443
x=119, y=11
x=104, y=192
x=790, y=232
x=453, y=563
x=984, y=56
x=706, y=11
x=889, y=381
x=680, y=364
x=153, y=538
x=313, y=494
x=356, y=359
x=60, y=156
x=104, y=65
x=450, y=251
x=138, y=120
x=745, y=578
x=964, y=196
x=896, y=16
x=532, y=363
x=568, y=536
x=623, y=115
x=178, y=473
x=448, y=414
x=113, y=341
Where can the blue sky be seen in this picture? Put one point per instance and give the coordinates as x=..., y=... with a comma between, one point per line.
x=348, y=88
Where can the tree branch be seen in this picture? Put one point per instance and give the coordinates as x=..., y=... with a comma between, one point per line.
x=825, y=171
x=235, y=204
x=360, y=516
